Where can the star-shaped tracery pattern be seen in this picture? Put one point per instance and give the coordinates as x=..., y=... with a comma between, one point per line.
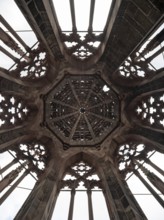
x=82, y=110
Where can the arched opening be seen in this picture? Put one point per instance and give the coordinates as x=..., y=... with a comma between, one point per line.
x=81, y=194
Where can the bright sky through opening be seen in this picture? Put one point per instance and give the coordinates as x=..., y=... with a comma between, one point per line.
x=82, y=14
x=13, y=15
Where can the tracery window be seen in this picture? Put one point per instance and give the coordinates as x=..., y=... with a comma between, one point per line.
x=150, y=110
x=134, y=158
x=12, y=176
x=101, y=110
x=35, y=68
x=82, y=35
x=27, y=162
x=81, y=178
x=127, y=153
x=13, y=110
x=146, y=60
x=20, y=60
x=35, y=152
x=81, y=173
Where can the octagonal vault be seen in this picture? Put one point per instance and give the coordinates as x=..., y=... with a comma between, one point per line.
x=81, y=110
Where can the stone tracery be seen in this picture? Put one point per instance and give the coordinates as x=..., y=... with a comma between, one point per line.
x=127, y=153
x=36, y=68
x=82, y=44
x=151, y=110
x=35, y=153
x=82, y=47
x=13, y=110
x=148, y=110
x=82, y=110
x=140, y=64
x=81, y=173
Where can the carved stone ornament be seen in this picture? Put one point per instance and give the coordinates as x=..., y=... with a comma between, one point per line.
x=82, y=110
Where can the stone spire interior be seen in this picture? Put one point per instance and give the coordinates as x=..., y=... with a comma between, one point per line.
x=84, y=106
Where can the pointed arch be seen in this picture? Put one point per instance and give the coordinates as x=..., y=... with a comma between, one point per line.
x=147, y=110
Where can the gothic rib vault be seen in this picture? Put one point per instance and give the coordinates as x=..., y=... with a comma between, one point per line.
x=81, y=110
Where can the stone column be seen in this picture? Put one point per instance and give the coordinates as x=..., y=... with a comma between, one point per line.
x=154, y=166
x=9, y=178
x=40, y=203
x=120, y=201
x=71, y=207
x=8, y=166
x=110, y=205
x=155, y=180
x=154, y=43
x=4, y=197
x=90, y=207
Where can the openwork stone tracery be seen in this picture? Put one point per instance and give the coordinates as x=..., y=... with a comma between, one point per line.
x=35, y=153
x=35, y=68
x=13, y=110
x=82, y=110
x=132, y=69
x=84, y=42
x=150, y=110
x=81, y=174
x=127, y=153
x=142, y=64
x=133, y=158
x=29, y=63
x=82, y=47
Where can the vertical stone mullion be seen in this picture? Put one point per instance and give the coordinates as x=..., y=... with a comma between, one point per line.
x=154, y=166
x=154, y=179
x=90, y=206
x=8, y=166
x=5, y=196
x=157, y=197
x=71, y=207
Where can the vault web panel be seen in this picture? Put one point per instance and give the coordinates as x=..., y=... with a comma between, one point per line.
x=81, y=110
